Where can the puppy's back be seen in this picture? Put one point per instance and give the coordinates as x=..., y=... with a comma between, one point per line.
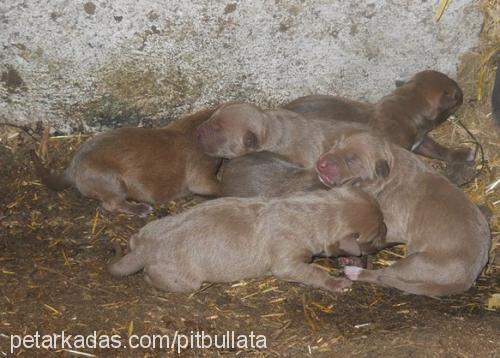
x=265, y=174
x=187, y=124
x=331, y=108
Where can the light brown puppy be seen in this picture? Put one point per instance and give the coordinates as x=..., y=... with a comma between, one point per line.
x=447, y=237
x=236, y=129
x=403, y=117
x=140, y=164
x=231, y=239
x=266, y=174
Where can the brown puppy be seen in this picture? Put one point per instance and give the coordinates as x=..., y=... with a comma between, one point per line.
x=446, y=236
x=236, y=129
x=232, y=239
x=140, y=164
x=266, y=174
x=403, y=117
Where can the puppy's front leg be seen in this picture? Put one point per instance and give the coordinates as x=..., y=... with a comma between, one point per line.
x=418, y=273
x=295, y=269
x=432, y=149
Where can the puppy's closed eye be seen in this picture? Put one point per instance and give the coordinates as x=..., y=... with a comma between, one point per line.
x=250, y=140
x=349, y=245
x=448, y=101
x=351, y=159
x=382, y=168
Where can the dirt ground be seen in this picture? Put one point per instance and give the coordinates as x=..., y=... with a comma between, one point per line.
x=54, y=248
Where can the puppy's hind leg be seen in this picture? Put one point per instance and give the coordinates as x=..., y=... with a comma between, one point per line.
x=172, y=280
x=106, y=186
x=418, y=274
x=127, y=265
x=127, y=207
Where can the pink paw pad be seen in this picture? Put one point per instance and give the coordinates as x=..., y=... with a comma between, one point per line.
x=352, y=272
x=351, y=261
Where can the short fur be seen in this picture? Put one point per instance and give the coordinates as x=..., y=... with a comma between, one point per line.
x=266, y=174
x=447, y=237
x=230, y=239
x=403, y=117
x=140, y=164
x=236, y=129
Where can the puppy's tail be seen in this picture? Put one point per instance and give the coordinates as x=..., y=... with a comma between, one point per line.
x=125, y=265
x=495, y=97
x=52, y=181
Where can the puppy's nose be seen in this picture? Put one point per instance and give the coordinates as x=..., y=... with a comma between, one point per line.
x=324, y=162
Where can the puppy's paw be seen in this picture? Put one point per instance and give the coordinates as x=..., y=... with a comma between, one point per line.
x=353, y=272
x=337, y=284
x=352, y=261
x=461, y=155
x=143, y=210
x=460, y=173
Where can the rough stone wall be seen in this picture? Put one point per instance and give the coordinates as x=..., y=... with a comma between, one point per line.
x=76, y=64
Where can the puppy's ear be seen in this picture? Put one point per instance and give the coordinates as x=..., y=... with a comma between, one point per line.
x=250, y=140
x=349, y=245
x=382, y=168
x=399, y=83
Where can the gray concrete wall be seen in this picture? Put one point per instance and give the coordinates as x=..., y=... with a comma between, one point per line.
x=76, y=64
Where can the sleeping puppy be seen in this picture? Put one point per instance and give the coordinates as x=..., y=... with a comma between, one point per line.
x=266, y=174
x=238, y=128
x=403, y=117
x=446, y=236
x=231, y=239
x=146, y=165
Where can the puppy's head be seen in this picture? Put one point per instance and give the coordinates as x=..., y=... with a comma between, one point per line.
x=358, y=159
x=234, y=129
x=362, y=229
x=441, y=92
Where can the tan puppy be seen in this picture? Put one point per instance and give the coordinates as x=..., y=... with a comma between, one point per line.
x=232, y=239
x=140, y=164
x=403, y=117
x=446, y=236
x=236, y=129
